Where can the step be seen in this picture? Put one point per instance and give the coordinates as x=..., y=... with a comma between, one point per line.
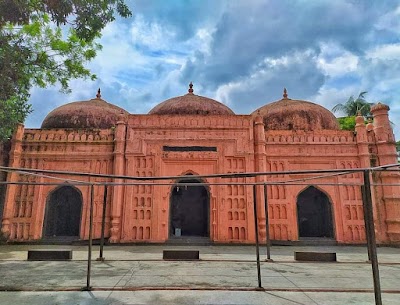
x=308, y=256
x=186, y=255
x=49, y=255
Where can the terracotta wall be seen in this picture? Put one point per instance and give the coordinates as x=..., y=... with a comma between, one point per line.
x=301, y=150
x=62, y=150
x=146, y=209
x=140, y=213
x=4, y=156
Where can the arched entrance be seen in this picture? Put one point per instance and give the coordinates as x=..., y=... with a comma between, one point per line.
x=314, y=214
x=189, y=210
x=63, y=212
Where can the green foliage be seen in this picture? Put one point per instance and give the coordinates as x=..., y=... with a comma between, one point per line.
x=398, y=146
x=347, y=123
x=47, y=42
x=353, y=106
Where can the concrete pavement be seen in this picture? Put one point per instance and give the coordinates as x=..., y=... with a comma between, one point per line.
x=224, y=275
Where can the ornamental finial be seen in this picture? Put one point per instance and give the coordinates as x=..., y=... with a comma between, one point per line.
x=285, y=93
x=98, y=95
x=190, y=88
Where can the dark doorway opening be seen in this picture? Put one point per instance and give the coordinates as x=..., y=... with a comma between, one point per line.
x=63, y=212
x=314, y=214
x=189, y=210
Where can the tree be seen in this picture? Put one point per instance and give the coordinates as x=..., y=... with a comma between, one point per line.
x=351, y=109
x=347, y=123
x=353, y=106
x=47, y=42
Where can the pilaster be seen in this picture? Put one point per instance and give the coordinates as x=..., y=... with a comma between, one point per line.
x=15, y=161
x=118, y=190
x=260, y=166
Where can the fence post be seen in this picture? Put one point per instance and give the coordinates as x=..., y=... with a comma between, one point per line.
x=103, y=224
x=257, y=241
x=366, y=221
x=371, y=242
x=89, y=263
x=267, y=237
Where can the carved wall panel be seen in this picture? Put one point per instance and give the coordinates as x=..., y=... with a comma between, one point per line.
x=351, y=202
x=23, y=204
x=236, y=199
x=138, y=208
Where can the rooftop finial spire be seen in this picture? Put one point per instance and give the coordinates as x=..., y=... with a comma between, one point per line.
x=98, y=95
x=285, y=93
x=190, y=88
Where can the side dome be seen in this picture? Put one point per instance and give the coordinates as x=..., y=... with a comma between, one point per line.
x=288, y=114
x=191, y=104
x=94, y=113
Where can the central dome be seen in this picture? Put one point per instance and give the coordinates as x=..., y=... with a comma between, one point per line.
x=191, y=104
x=288, y=114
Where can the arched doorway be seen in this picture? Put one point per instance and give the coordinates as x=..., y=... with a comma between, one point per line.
x=63, y=212
x=189, y=210
x=314, y=214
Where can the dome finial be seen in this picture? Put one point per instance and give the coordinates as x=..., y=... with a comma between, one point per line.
x=285, y=93
x=98, y=95
x=190, y=88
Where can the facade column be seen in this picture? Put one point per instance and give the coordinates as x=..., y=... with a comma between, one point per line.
x=387, y=202
x=362, y=142
x=118, y=190
x=365, y=162
x=260, y=166
x=15, y=161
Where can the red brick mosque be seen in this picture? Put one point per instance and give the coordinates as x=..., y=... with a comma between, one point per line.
x=195, y=135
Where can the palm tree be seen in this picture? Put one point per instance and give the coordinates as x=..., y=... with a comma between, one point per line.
x=353, y=106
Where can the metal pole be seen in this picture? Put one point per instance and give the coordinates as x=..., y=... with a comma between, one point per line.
x=89, y=266
x=257, y=242
x=371, y=236
x=367, y=221
x=267, y=237
x=103, y=224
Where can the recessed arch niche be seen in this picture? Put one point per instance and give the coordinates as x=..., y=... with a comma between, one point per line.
x=63, y=212
x=189, y=209
x=314, y=214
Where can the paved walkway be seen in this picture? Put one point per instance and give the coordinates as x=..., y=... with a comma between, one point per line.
x=224, y=275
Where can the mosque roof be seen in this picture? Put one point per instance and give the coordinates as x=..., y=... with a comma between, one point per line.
x=94, y=113
x=288, y=114
x=191, y=104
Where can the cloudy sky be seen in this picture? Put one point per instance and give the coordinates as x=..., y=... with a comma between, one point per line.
x=243, y=53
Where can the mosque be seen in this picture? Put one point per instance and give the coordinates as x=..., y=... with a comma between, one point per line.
x=195, y=135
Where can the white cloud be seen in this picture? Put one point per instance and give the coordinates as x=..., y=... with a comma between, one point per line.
x=151, y=34
x=389, y=21
x=335, y=61
x=386, y=51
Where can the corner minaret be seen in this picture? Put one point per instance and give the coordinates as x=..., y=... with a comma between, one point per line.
x=384, y=134
x=387, y=196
